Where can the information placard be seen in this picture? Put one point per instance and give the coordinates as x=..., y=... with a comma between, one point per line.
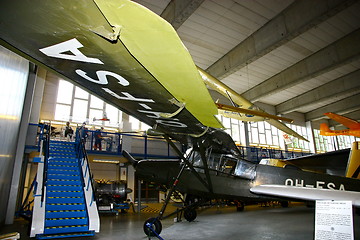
x=334, y=220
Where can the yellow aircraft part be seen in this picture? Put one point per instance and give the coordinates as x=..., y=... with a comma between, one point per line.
x=326, y=131
x=221, y=88
x=262, y=114
x=226, y=91
x=239, y=116
x=158, y=48
x=353, y=167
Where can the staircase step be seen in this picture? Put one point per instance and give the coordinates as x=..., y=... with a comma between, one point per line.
x=64, y=206
x=65, y=213
x=53, y=222
x=63, y=155
x=65, y=200
x=56, y=193
x=74, y=159
x=53, y=166
x=66, y=229
x=63, y=182
x=64, y=176
x=63, y=171
x=56, y=187
x=62, y=163
x=66, y=235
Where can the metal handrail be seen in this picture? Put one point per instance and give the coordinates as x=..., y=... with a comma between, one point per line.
x=81, y=152
x=46, y=145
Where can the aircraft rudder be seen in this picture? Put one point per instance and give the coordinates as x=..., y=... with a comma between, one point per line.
x=324, y=129
x=353, y=167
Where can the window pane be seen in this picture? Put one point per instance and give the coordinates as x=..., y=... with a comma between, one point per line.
x=226, y=122
x=62, y=112
x=112, y=113
x=255, y=136
x=235, y=132
x=97, y=114
x=261, y=127
x=96, y=102
x=79, y=110
x=144, y=126
x=79, y=93
x=262, y=138
x=65, y=92
x=268, y=137
x=276, y=140
x=135, y=124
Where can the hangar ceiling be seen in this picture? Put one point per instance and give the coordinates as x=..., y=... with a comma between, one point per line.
x=293, y=56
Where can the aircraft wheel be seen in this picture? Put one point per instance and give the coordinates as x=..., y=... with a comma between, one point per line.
x=284, y=204
x=190, y=214
x=155, y=224
x=240, y=206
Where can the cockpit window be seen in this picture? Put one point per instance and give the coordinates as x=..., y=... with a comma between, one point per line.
x=224, y=163
x=228, y=164
x=245, y=169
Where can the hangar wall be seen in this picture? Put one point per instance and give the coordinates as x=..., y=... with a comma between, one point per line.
x=14, y=75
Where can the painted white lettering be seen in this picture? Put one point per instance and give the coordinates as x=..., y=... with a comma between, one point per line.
x=59, y=51
x=299, y=183
x=102, y=77
x=155, y=114
x=331, y=186
x=145, y=106
x=309, y=186
x=342, y=187
x=289, y=182
x=319, y=184
x=171, y=123
x=127, y=95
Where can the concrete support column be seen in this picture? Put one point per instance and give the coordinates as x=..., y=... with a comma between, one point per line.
x=311, y=139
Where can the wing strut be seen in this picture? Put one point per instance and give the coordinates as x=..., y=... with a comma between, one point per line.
x=152, y=226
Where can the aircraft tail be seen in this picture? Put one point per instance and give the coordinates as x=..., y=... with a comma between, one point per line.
x=353, y=167
x=324, y=129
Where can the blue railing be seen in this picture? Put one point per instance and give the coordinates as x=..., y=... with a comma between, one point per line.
x=256, y=154
x=83, y=159
x=144, y=146
x=113, y=144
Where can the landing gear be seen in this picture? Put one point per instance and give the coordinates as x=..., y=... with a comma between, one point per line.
x=190, y=214
x=240, y=206
x=152, y=227
x=284, y=204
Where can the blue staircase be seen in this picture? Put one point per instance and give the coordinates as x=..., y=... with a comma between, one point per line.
x=65, y=205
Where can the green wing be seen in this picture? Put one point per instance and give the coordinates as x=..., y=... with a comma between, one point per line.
x=119, y=51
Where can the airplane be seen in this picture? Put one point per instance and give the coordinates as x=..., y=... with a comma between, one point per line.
x=104, y=118
x=132, y=58
x=352, y=125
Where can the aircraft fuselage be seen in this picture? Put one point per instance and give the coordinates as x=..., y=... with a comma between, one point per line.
x=231, y=186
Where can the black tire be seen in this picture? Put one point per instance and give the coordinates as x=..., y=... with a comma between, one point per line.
x=284, y=204
x=155, y=225
x=190, y=214
x=240, y=206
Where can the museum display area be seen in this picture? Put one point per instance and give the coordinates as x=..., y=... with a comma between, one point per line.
x=180, y=119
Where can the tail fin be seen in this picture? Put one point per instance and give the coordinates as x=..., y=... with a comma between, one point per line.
x=324, y=129
x=353, y=167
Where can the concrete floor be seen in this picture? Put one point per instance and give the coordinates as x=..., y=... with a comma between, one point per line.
x=260, y=223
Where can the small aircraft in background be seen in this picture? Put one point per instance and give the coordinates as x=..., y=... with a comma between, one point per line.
x=104, y=118
x=352, y=125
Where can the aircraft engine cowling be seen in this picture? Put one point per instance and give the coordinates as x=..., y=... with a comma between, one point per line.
x=117, y=191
